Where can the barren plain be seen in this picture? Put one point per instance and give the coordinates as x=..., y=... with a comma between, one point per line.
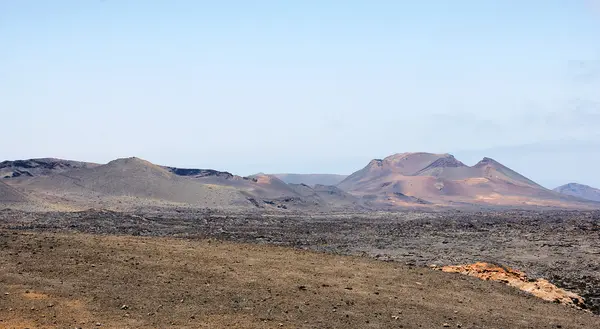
x=184, y=268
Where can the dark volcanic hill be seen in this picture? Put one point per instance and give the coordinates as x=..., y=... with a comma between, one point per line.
x=580, y=191
x=199, y=173
x=441, y=179
x=40, y=167
x=311, y=179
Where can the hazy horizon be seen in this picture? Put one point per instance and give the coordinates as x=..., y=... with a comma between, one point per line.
x=304, y=87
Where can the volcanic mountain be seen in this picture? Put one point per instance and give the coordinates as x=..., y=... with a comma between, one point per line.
x=259, y=185
x=319, y=197
x=311, y=179
x=401, y=180
x=444, y=180
x=133, y=182
x=580, y=191
x=126, y=181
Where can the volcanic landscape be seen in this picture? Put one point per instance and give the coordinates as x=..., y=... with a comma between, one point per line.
x=132, y=244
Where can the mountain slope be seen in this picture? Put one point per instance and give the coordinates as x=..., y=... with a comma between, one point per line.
x=580, y=191
x=442, y=179
x=124, y=183
x=10, y=194
x=259, y=185
x=40, y=167
x=492, y=169
x=311, y=179
x=129, y=180
x=400, y=180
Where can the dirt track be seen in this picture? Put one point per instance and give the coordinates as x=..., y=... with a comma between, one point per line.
x=90, y=281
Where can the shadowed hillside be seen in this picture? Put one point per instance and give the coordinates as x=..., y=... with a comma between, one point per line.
x=580, y=191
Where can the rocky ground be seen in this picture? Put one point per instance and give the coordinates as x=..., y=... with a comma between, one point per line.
x=561, y=246
x=74, y=280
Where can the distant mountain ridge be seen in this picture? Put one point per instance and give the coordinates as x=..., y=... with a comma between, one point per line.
x=40, y=167
x=133, y=182
x=399, y=181
x=311, y=179
x=580, y=190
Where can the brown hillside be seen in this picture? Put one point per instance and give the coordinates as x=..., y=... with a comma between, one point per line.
x=442, y=179
x=269, y=186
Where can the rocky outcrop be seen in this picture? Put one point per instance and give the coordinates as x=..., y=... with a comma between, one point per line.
x=198, y=173
x=540, y=288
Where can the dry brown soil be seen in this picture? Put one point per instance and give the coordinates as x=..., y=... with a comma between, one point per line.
x=59, y=280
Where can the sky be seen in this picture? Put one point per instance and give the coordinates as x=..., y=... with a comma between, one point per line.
x=304, y=86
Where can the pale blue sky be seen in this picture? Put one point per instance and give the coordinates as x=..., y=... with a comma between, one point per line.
x=303, y=86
